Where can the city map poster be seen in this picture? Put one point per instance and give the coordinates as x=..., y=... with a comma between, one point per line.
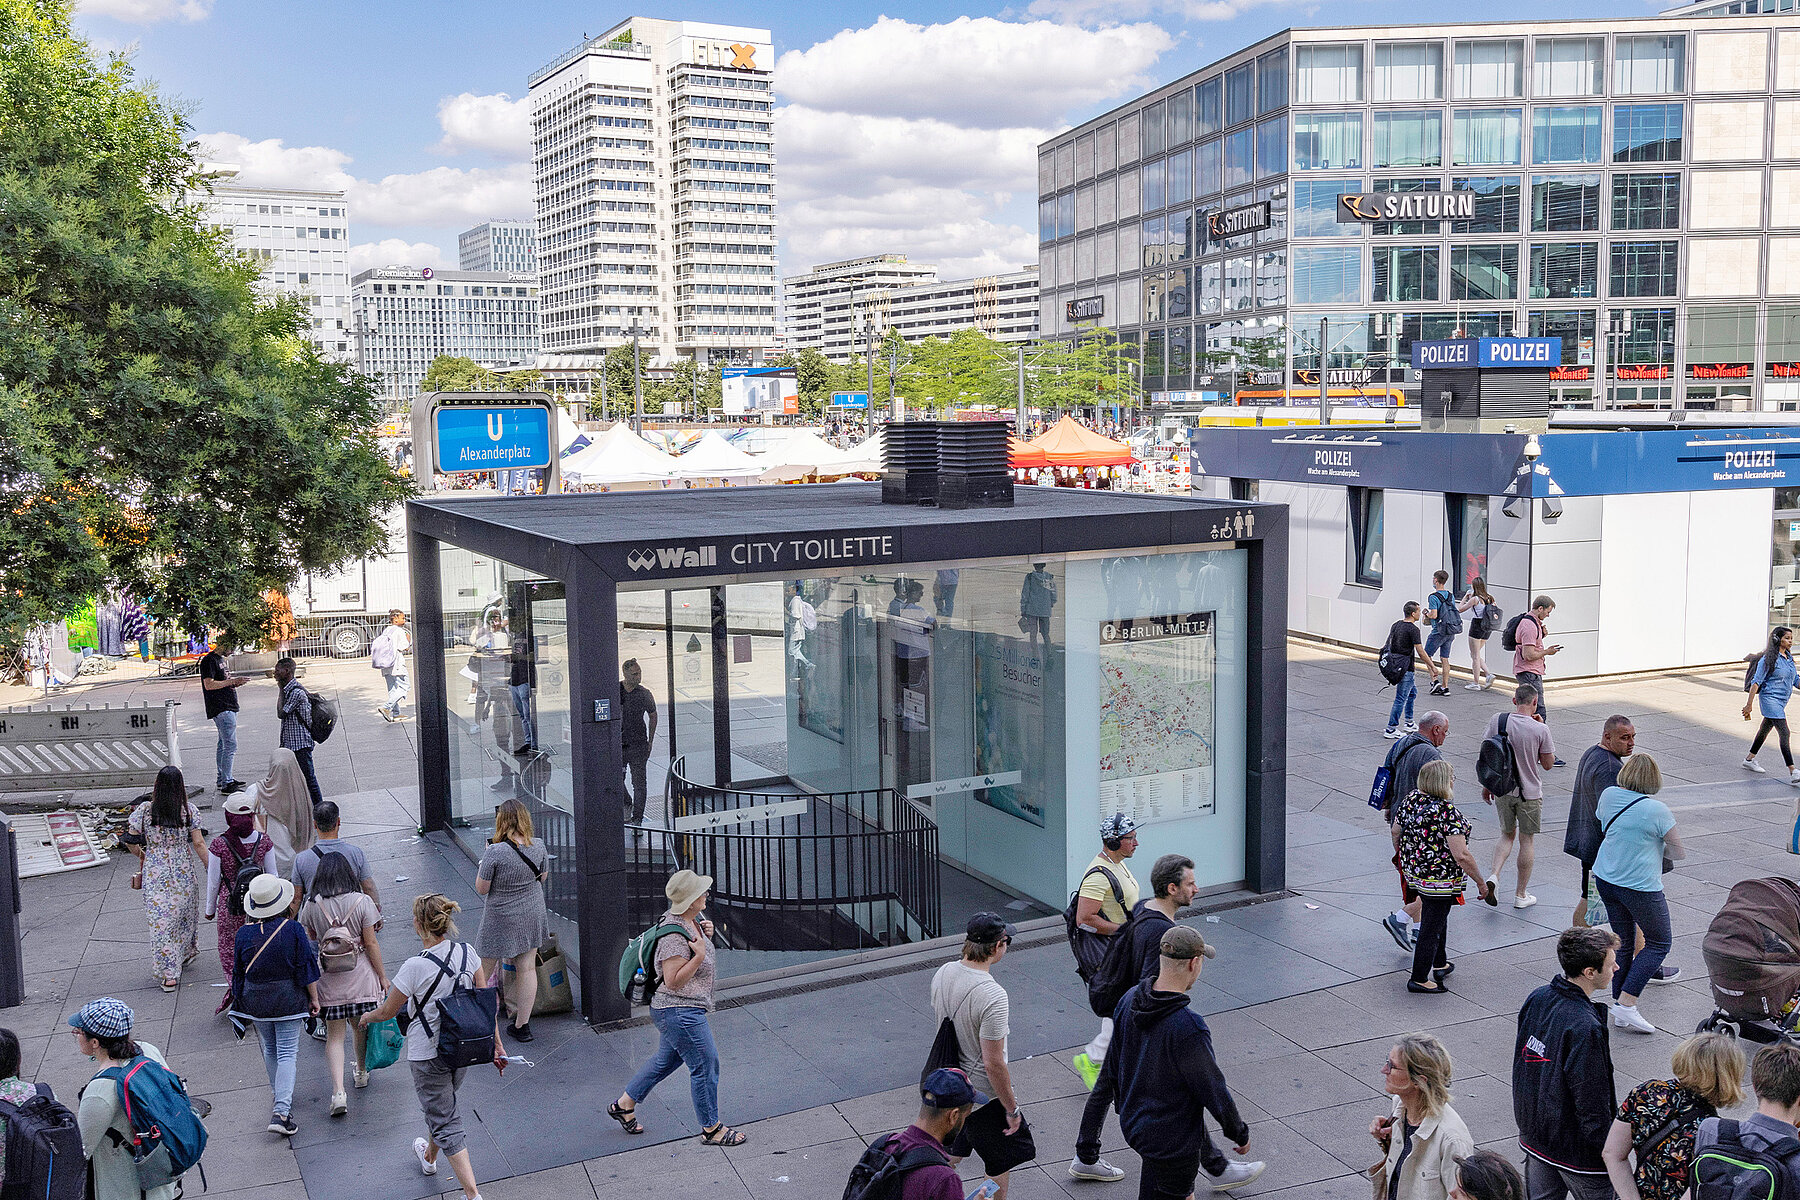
x=1157, y=717
x=1009, y=719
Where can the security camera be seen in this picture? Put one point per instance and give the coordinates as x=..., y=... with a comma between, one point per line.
x=1533, y=451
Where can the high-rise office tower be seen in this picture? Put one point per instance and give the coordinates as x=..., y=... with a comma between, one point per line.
x=302, y=239
x=655, y=172
x=498, y=246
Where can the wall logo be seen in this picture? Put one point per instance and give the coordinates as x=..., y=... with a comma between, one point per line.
x=1246, y=218
x=1405, y=206
x=743, y=58
x=671, y=558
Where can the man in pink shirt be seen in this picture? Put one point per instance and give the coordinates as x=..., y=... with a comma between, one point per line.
x=1530, y=655
x=1522, y=812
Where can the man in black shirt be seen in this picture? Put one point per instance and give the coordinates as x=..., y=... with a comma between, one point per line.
x=219, y=692
x=1597, y=771
x=1406, y=643
x=637, y=714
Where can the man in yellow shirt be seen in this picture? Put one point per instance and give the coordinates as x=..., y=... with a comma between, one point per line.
x=1107, y=895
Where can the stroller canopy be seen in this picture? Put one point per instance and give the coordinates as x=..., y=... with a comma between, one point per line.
x=1752, y=948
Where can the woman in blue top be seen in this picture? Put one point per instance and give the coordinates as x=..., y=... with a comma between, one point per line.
x=1770, y=688
x=1637, y=830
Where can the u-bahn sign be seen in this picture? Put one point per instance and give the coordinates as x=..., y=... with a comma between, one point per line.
x=1405, y=206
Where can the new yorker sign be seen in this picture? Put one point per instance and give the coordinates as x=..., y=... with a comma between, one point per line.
x=1405, y=206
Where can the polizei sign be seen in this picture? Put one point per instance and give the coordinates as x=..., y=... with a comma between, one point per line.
x=1405, y=206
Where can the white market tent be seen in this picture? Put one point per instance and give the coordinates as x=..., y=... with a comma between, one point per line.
x=806, y=453
x=712, y=457
x=864, y=458
x=619, y=457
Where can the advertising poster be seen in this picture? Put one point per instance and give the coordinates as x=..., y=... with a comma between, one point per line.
x=1009, y=718
x=760, y=389
x=1157, y=716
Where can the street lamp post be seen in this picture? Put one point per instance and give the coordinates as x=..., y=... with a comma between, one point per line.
x=637, y=379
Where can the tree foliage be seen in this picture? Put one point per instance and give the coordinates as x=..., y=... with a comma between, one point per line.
x=161, y=425
x=454, y=373
x=1095, y=368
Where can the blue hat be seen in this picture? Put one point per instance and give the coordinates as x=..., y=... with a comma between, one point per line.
x=949, y=1087
x=103, y=1018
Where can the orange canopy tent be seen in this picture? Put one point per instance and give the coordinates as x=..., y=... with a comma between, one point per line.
x=1068, y=443
x=1024, y=455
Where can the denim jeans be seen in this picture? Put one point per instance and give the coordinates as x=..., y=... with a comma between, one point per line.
x=1404, y=693
x=1545, y=1182
x=521, y=696
x=304, y=757
x=397, y=685
x=686, y=1038
x=226, y=724
x=1536, y=680
x=1627, y=911
x=281, y=1047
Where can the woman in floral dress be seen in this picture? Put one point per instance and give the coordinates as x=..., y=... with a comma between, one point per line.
x=1657, y=1121
x=171, y=850
x=241, y=848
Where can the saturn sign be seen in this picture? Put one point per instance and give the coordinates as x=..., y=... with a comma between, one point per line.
x=1405, y=206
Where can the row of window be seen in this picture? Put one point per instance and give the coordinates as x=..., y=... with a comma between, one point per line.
x=1239, y=95
x=1490, y=68
x=1558, y=204
x=1557, y=271
x=1327, y=141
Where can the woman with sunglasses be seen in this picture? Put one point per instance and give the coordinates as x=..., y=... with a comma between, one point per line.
x=1422, y=1136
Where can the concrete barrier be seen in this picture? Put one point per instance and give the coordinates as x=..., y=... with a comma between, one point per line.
x=62, y=748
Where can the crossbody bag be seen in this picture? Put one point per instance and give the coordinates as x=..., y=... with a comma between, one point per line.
x=1668, y=864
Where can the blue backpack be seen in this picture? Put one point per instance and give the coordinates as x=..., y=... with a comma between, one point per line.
x=167, y=1137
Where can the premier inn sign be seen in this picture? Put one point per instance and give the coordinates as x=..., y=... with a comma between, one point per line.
x=1405, y=206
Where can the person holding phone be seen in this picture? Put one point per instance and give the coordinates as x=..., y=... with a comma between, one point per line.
x=1531, y=657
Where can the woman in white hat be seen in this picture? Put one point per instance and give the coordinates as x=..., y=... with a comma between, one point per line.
x=686, y=970
x=240, y=849
x=275, y=986
x=285, y=806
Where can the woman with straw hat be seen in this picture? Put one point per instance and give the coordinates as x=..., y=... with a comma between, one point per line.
x=686, y=968
x=275, y=986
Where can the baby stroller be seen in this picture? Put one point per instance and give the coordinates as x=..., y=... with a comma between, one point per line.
x=1752, y=952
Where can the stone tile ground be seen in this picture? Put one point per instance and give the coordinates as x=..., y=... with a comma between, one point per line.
x=1303, y=999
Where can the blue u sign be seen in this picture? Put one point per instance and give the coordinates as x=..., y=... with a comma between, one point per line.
x=480, y=438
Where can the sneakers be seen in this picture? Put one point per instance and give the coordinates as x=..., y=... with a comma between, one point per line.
x=1392, y=734
x=1472, y=687
x=420, y=1146
x=1235, y=1175
x=1410, y=727
x=386, y=715
x=1750, y=764
x=1626, y=1016
x=522, y=1033
x=1087, y=1068
x=1794, y=776
x=340, y=1104
x=1666, y=974
x=283, y=1124
x=1439, y=689
x=233, y=787
x=1525, y=901
x=362, y=1079
x=1398, y=931
x=1099, y=1170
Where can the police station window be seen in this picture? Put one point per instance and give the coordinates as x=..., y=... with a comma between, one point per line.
x=1647, y=133
x=1271, y=148
x=1409, y=139
x=1328, y=141
x=1483, y=137
x=1327, y=275
x=1568, y=67
x=1315, y=207
x=1566, y=135
x=1327, y=74
x=1642, y=269
x=1489, y=69
x=1646, y=201
x=1271, y=82
x=1403, y=274
x=1365, y=535
x=1649, y=65
x=1409, y=71
x=1207, y=107
x=1565, y=270
x=1484, y=272
x=1240, y=98
x=1565, y=203
x=1467, y=519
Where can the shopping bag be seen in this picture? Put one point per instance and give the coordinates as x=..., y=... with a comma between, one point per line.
x=384, y=1045
x=553, y=992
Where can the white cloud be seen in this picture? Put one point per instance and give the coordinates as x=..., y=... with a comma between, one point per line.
x=971, y=71
x=396, y=252
x=497, y=124
x=845, y=150
x=145, y=12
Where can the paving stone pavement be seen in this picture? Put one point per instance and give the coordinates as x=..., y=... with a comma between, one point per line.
x=1303, y=1001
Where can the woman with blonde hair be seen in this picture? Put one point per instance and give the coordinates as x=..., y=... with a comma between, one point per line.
x=1637, y=834
x=1423, y=1137
x=1659, y=1118
x=515, y=922
x=284, y=809
x=1432, y=837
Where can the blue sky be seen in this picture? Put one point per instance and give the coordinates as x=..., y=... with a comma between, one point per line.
x=907, y=130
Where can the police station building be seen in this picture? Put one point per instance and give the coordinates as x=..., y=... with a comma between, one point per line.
x=1326, y=197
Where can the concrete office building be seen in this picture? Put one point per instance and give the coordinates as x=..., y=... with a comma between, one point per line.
x=498, y=246
x=1631, y=186
x=654, y=158
x=407, y=316
x=840, y=289
x=832, y=306
x=302, y=240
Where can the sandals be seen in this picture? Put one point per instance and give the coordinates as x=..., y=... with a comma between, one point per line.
x=723, y=1135
x=626, y=1117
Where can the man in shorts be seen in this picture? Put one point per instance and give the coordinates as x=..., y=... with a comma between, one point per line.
x=1522, y=812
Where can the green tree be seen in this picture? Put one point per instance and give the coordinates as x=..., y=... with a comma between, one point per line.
x=453, y=373
x=1095, y=368
x=161, y=425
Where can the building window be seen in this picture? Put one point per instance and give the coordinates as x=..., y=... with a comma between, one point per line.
x=1484, y=272
x=1181, y=118
x=1240, y=158
x=1328, y=141
x=1409, y=139
x=1467, y=518
x=1207, y=102
x=1649, y=65
x=1208, y=173
x=1240, y=282
x=1271, y=278
x=1485, y=137
x=1403, y=274
x=1152, y=131
x=1065, y=214
x=1409, y=71
x=1565, y=270
x=1179, y=184
x=1315, y=206
x=1646, y=201
x=1271, y=82
x=1566, y=135
x=1246, y=491
x=1647, y=133
x=1565, y=203
x=1496, y=204
x=1568, y=67
x=1406, y=228
x=1152, y=180
x=1365, y=536
x=1490, y=69
x=1207, y=294
x=1240, y=99
x=1575, y=326
x=1271, y=148
x=1327, y=275
x=1328, y=74
x=1642, y=269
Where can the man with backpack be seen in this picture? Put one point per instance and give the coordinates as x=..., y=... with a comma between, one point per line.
x=1516, y=746
x=914, y=1164
x=40, y=1133
x=294, y=707
x=1446, y=623
x=387, y=654
x=1102, y=905
x=1562, y=1080
x=1524, y=636
x=1405, y=759
x=1758, y=1157
x=1403, y=647
x=966, y=994
x=326, y=822
x=1135, y=959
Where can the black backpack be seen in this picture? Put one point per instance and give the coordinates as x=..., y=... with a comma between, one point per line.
x=1730, y=1170
x=466, y=1018
x=324, y=717
x=43, y=1150
x=1089, y=947
x=1494, y=765
x=879, y=1174
x=240, y=871
x=1509, y=637
x=1117, y=973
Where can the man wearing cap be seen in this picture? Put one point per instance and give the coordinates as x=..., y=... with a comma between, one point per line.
x=1162, y=1069
x=966, y=992
x=1108, y=892
x=945, y=1102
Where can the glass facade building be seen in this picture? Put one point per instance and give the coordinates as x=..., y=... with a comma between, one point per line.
x=1634, y=184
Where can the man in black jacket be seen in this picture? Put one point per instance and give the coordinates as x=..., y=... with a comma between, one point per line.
x=1563, y=1101
x=1172, y=889
x=1161, y=1067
